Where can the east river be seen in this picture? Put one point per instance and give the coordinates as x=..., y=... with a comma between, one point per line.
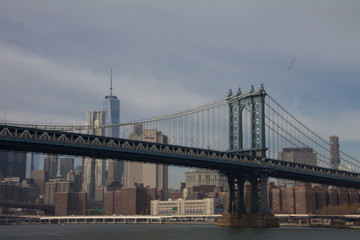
x=168, y=232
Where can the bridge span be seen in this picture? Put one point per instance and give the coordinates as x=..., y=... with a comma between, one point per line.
x=56, y=142
x=238, y=135
x=236, y=166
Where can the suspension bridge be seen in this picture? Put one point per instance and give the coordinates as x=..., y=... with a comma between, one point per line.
x=240, y=134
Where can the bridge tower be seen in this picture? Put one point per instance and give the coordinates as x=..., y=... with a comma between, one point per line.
x=259, y=214
x=254, y=101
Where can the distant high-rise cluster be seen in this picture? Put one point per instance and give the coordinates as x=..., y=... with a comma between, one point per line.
x=94, y=170
x=119, y=173
x=148, y=174
x=97, y=182
x=334, y=152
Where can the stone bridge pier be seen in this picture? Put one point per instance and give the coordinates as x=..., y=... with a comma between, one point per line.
x=259, y=214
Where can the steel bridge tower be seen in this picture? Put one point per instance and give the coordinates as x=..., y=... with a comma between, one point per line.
x=255, y=103
x=259, y=215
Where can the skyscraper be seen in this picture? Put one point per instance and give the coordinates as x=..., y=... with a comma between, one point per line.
x=94, y=170
x=150, y=175
x=94, y=119
x=66, y=165
x=35, y=159
x=334, y=152
x=88, y=184
x=303, y=155
x=51, y=166
x=13, y=164
x=39, y=177
x=111, y=109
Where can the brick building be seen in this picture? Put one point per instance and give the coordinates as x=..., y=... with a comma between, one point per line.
x=288, y=200
x=305, y=198
x=70, y=203
x=12, y=190
x=175, y=195
x=130, y=201
x=343, y=196
x=39, y=177
x=276, y=205
x=54, y=186
x=321, y=197
x=353, y=196
x=34, y=191
x=332, y=197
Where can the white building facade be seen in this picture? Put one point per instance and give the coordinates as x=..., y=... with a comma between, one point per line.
x=181, y=206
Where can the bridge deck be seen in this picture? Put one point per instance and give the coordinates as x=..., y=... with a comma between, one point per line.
x=45, y=141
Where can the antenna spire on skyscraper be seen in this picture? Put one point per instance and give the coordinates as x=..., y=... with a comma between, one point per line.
x=111, y=96
x=110, y=81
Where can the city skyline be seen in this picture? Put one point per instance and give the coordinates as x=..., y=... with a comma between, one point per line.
x=168, y=58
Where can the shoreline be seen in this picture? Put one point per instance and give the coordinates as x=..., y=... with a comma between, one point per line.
x=319, y=226
x=345, y=221
x=192, y=223
x=281, y=225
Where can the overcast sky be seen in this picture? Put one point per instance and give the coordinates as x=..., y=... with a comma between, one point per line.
x=55, y=58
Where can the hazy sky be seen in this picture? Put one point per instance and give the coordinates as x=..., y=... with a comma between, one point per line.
x=55, y=58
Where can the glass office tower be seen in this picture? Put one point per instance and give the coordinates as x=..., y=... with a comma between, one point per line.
x=111, y=109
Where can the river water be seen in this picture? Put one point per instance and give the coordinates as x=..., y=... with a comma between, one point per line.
x=168, y=232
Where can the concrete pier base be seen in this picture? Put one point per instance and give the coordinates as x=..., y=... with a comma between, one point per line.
x=248, y=220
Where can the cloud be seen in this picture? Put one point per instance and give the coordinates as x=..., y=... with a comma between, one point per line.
x=56, y=91
x=173, y=55
x=34, y=83
x=342, y=123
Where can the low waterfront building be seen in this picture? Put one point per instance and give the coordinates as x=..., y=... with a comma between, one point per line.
x=182, y=206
